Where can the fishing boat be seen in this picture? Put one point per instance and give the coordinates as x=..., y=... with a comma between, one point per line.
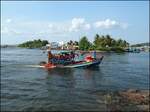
x=133, y=50
x=66, y=59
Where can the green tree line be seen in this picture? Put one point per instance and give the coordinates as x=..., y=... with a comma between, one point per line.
x=34, y=44
x=103, y=43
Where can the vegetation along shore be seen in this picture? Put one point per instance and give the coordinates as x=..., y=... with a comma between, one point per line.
x=101, y=43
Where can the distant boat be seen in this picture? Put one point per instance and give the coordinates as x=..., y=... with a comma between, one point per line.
x=133, y=50
x=136, y=51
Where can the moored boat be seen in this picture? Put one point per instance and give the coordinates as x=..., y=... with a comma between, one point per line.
x=133, y=50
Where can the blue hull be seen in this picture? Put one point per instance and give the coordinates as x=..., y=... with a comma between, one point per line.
x=85, y=64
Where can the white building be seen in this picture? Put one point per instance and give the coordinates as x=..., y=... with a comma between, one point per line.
x=62, y=45
x=53, y=45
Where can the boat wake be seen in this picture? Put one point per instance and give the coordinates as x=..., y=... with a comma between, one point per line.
x=34, y=66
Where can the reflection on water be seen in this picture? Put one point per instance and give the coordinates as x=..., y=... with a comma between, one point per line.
x=59, y=78
x=71, y=88
x=60, y=71
x=35, y=89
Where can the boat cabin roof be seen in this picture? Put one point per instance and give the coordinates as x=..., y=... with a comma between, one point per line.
x=65, y=52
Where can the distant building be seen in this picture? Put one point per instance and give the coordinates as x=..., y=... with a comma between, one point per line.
x=72, y=47
x=54, y=45
x=62, y=45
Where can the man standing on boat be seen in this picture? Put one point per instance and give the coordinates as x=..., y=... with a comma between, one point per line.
x=49, y=55
x=94, y=54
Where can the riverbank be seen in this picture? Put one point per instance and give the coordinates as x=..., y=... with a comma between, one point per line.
x=128, y=100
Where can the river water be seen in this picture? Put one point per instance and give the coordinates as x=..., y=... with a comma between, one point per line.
x=26, y=88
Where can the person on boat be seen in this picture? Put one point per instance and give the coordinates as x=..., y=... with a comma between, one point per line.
x=72, y=55
x=50, y=56
x=94, y=54
x=81, y=57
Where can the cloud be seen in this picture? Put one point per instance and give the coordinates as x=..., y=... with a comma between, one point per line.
x=79, y=24
x=32, y=28
x=124, y=25
x=8, y=31
x=87, y=26
x=8, y=20
x=4, y=30
x=51, y=26
x=108, y=23
x=59, y=28
x=75, y=25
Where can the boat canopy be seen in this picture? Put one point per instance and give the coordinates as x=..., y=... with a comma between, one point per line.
x=66, y=52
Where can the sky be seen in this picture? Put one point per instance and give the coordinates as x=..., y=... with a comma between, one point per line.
x=70, y=20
